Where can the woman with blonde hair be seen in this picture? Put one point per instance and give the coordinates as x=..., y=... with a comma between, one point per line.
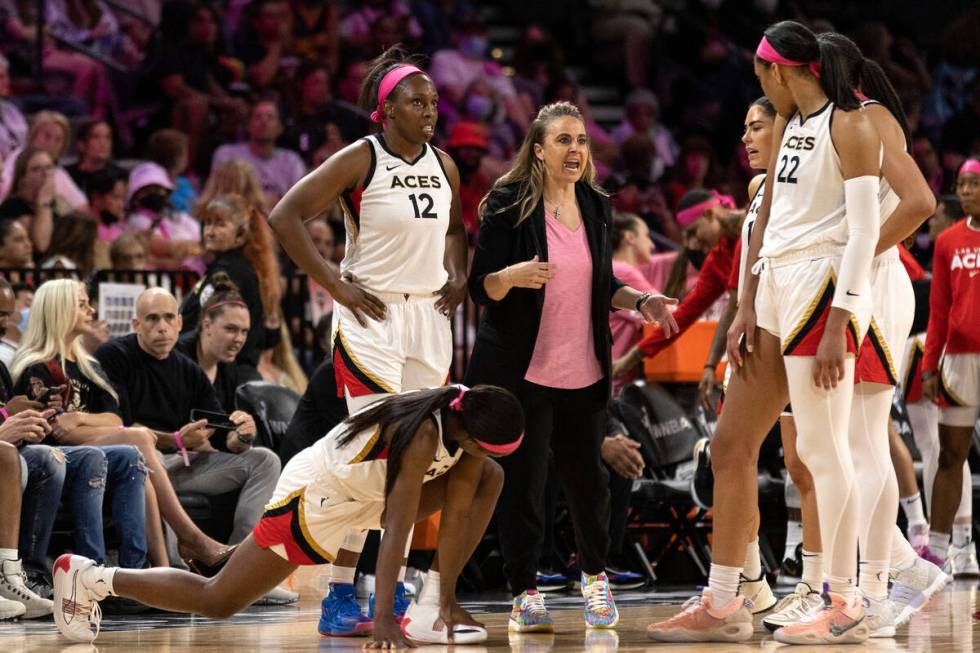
x=50, y=132
x=237, y=235
x=51, y=358
x=546, y=222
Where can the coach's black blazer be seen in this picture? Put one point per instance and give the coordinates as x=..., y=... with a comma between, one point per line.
x=509, y=327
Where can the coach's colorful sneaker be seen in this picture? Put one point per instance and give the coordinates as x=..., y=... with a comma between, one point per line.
x=419, y=625
x=398, y=608
x=913, y=587
x=758, y=592
x=963, y=561
x=340, y=613
x=793, y=607
x=700, y=621
x=79, y=585
x=529, y=614
x=838, y=622
x=600, y=608
x=880, y=615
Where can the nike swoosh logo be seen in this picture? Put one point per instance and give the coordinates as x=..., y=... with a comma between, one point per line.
x=837, y=631
x=390, y=168
x=851, y=294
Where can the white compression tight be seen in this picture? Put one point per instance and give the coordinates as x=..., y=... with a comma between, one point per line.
x=822, y=419
x=924, y=418
x=875, y=483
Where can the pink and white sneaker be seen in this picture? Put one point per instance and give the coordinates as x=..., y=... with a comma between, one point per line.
x=926, y=554
x=838, y=622
x=77, y=592
x=700, y=621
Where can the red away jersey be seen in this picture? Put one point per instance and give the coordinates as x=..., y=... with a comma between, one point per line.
x=954, y=297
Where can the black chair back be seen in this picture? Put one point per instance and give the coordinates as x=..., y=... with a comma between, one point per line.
x=272, y=406
x=659, y=423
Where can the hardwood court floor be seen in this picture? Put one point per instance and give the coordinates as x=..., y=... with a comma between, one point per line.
x=945, y=625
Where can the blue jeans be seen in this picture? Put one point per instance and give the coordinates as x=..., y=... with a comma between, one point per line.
x=126, y=475
x=44, y=480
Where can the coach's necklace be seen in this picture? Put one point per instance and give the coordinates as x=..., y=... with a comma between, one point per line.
x=557, y=211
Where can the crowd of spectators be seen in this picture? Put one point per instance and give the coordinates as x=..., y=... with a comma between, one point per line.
x=174, y=164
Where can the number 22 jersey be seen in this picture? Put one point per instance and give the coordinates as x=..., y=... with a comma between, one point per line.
x=397, y=223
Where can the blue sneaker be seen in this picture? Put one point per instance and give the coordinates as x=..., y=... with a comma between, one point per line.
x=340, y=613
x=400, y=605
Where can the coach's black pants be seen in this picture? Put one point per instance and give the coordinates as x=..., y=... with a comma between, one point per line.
x=572, y=423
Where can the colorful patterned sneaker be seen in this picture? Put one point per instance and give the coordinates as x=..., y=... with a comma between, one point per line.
x=700, y=621
x=529, y=614
x=913, y=587
x=400, y=604
x=340, y=613
x=758, y=592
x=793, y=607
x=600, y=608
x=836, y=623
x=77, y=593
x=880, y=615
x=963, y=561
x=926, y=554
x=918, y=536
x=13, y=586
x=419, y=625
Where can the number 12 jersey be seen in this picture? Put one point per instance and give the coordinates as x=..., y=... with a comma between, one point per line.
x=397, y=223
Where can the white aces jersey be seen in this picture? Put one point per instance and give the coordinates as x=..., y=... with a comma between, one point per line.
x=397, y=223
x=357, y=471
x=808, y=195
x=750, y=215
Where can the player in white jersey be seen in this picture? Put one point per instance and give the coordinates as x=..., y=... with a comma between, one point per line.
x=404, y=272
x=391, y=464
x=810, y=288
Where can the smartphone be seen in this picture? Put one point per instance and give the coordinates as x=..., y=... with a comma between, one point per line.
x=217, y=421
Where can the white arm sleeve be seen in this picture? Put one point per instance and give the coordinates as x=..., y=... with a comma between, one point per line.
x=863, y=223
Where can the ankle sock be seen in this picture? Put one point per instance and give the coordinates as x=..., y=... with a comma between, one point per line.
x=9, y=554
x=723, y=582
x=813, y=569
x=753, y=565
x=430, y=588
x=961, y=537
x=912, y=507
x=873, y=580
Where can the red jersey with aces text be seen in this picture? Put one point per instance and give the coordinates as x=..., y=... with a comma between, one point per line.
x=954, y=298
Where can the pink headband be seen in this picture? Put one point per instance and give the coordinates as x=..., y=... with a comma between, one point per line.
x=388, y=84
x=970, y=165
x=229, y=302
x=686, y=217
x=498, y=449
x=768, y=53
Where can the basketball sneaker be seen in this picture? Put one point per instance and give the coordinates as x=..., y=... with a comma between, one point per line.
x=13, y=586
x=551, y=581
x=912, y=588
x=600, y=607
x=398, y=607
x=918, y=535
x=793, y=607
x=880, y=615
x=758, y=592
x=837, y=622
x=791, y=569
x=700, y=621
x=78, y=588
x=340, y=613
x=703, y=479
x=926, y=554
x=419, y=625
x=624, y=579
x=963, y=561
x=529, y=615
x=10, y=609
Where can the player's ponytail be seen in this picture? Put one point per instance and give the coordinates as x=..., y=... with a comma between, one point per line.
x=792, y=43
x=867, y=77
x=490, y=415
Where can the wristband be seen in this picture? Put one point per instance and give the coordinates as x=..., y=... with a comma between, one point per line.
x=180, y=447
x=645, y=296
x=245, y=439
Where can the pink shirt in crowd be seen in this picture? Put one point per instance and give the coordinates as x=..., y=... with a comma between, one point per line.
x=564, y=352
x=627, y=326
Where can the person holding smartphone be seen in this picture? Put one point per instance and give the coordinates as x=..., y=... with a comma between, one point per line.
x=159, y=387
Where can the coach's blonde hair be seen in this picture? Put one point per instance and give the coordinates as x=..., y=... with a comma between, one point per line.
x=49, y=326
x=527, y=170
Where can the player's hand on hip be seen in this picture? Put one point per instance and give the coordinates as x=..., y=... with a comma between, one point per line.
x=451, y=295
x=359, y=302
